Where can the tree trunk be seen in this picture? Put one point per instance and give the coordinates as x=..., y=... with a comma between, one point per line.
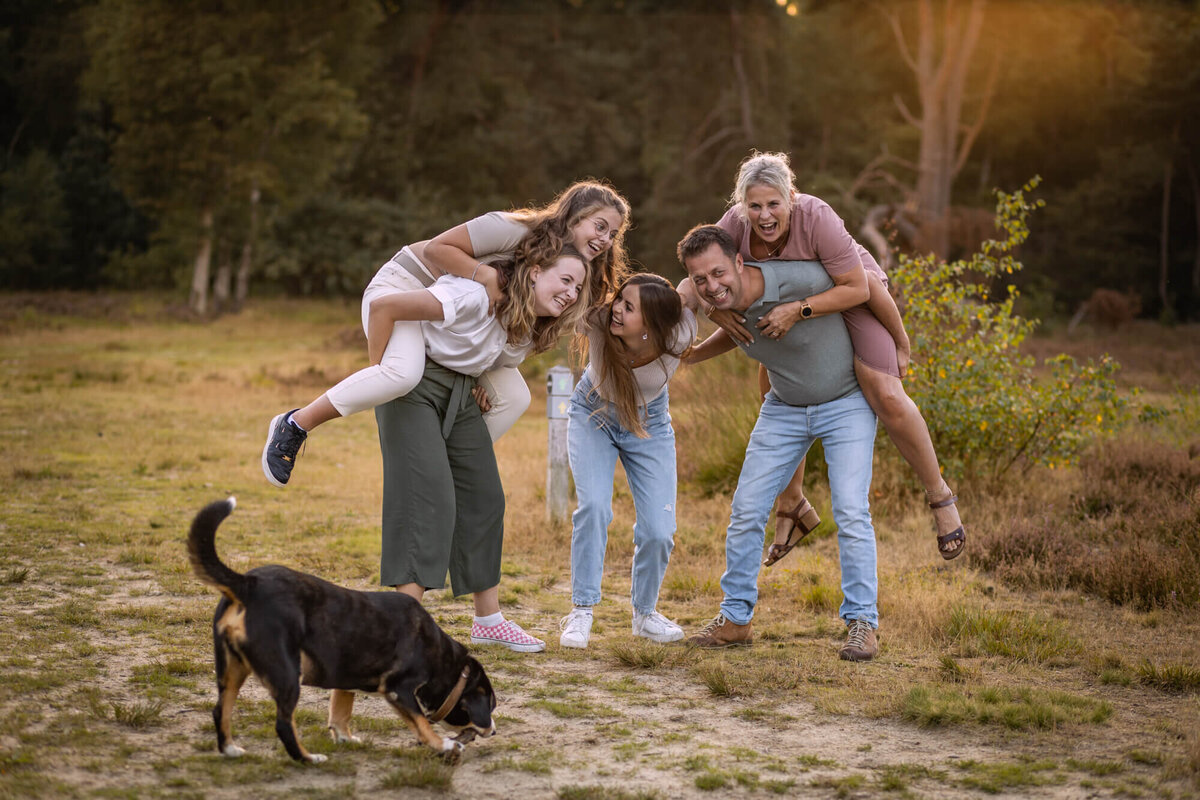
x=1195, y=180
x=223, y=279
x=198, y=299
x=244, y=264
x=739, y=74
x=424, y=51
x=1164, y=260
x=941, y=85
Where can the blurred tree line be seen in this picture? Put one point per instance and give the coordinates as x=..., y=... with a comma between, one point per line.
x=226, y=148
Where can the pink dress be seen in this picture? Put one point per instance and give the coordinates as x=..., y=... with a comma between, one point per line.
x=817, y=233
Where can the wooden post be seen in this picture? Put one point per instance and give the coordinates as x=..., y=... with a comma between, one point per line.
x=558, y=400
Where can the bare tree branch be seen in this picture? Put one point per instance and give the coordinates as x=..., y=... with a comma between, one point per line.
x=904, y=112
x=972, y=132
x=894, y=20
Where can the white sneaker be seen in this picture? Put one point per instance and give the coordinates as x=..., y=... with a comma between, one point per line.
x=655, y=627
x=576, y=628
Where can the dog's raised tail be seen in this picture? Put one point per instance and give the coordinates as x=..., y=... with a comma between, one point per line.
x=203, y=552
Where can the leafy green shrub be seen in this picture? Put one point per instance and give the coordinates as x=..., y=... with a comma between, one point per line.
x=987, y=409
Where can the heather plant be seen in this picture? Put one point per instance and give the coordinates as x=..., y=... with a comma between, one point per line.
x=988, y=408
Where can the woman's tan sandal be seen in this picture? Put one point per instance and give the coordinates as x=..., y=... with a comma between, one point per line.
x=805, y=520
x=959, y=534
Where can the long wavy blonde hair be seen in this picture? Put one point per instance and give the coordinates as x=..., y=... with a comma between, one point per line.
x=516, y=311
x=662, y=311
x=550, y=228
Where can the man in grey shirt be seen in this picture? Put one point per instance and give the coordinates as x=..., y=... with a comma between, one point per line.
x=814, y=395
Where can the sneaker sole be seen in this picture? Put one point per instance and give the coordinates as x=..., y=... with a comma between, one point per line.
x=267, y=448
x=520, y=648
x=662, y=638
x=573, y=645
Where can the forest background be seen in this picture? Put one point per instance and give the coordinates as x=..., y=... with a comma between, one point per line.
x=229, y=149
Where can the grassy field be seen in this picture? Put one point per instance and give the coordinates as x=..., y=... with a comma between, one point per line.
x=1059, y=658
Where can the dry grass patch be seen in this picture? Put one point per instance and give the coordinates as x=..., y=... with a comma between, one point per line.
x=101, y=619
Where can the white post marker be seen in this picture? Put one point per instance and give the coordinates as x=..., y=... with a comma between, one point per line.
x=558, y=400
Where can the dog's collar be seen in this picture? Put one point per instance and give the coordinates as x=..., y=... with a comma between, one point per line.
x=451, y=698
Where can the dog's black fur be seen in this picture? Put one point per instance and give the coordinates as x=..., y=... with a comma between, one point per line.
x=290, y=628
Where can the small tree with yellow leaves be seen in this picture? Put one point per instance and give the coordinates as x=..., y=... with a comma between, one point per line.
x=989, y=408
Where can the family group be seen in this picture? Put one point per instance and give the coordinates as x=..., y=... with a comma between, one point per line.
x=449, y=320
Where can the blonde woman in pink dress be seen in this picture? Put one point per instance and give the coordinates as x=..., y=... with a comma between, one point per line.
x=770, y=220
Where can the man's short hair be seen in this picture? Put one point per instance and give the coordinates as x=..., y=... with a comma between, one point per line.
x=702, y=237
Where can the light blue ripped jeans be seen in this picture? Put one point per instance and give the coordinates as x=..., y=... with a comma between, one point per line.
x=781, y=437
x=595, y=440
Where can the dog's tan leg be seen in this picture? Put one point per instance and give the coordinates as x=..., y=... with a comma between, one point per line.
x=230, y=682
x=341, y=707
x=425, y=731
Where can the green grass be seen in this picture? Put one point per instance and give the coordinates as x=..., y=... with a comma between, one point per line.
x=1178, y=678
x=106, y=634
x=996, y=778
x=1018, y=637
x=1017, y=709
x=420, y=768
x=603, y=793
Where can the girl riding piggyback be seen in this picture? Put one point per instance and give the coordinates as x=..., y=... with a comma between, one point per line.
x=476, y=299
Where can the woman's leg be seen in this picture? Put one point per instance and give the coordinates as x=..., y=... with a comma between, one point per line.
x=650, y=469
x=509, y=397
x=394, y=376
x=592, y=456
x=907, y=429
x=398, y=371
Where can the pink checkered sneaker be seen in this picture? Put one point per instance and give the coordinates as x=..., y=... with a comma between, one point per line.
x=507, y=633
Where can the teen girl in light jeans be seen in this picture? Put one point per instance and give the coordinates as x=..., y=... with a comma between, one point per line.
x=620, y=410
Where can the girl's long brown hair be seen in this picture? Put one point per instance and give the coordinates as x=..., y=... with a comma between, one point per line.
x=516, y=311
x=662, y=311
x=550, y=227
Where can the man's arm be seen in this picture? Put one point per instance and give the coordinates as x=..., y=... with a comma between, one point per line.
x=716, y=344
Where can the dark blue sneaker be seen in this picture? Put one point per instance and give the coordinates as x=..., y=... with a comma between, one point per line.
x=279, y=454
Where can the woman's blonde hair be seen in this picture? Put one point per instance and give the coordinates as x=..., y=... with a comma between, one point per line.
x=763, y=169
x=516, y=311
x=662, y=311
x=550, y=227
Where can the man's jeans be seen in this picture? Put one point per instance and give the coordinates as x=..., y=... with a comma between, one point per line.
x=595, y=440
x=781, y=437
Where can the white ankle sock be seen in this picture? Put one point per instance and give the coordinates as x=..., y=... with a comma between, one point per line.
x=490, y=620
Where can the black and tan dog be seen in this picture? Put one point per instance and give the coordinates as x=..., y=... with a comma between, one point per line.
x=289, y=628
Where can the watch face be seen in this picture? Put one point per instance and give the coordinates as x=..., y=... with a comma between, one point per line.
x=806, y=311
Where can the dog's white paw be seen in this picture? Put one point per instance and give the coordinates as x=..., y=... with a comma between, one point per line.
x=317, y=758
x=451, y=746
x=232, y=751
x=344, y=738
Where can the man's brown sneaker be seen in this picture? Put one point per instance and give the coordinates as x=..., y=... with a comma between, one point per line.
x=720, y=632
x=861, y=644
